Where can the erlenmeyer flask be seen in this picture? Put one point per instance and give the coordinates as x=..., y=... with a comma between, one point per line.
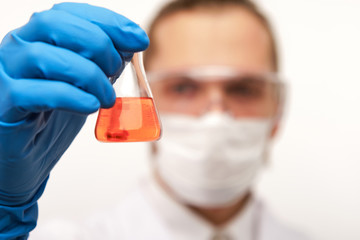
x=134, y=117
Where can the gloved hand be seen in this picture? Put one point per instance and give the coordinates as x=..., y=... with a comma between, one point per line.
x=53, y=72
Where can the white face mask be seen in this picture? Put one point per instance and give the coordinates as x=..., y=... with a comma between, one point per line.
x=211, y=161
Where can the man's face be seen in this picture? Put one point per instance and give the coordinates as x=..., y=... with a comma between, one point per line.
x=229, y=37
x=211, y=60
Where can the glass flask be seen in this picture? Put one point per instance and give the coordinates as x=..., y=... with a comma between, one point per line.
x=134, y=117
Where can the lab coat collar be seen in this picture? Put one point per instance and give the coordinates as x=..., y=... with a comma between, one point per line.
x=184, y=224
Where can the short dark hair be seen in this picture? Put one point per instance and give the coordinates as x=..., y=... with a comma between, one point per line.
x=183, y=5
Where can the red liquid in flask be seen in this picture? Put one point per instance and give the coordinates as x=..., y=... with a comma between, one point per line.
x=131, y=119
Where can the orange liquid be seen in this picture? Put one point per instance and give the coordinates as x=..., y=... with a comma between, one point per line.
x=131, y=119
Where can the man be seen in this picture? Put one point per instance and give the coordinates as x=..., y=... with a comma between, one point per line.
x=212, y=68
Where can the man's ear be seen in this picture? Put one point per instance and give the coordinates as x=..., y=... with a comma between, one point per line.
x=153, y=148
x=279, y=112
x=275, y=129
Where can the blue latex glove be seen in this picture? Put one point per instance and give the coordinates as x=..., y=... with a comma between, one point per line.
x=53, y=72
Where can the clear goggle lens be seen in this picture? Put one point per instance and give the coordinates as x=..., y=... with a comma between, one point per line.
x=198, y=90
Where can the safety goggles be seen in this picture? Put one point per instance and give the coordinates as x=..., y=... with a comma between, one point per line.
x=195, y=91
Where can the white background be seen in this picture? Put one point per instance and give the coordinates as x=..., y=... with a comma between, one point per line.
x=313, y=181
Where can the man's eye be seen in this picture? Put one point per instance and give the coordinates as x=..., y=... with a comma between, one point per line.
x=242, y=90
x=246, y=89
x=184, y=88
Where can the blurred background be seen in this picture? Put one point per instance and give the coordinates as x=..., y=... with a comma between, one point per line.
x=312, y=181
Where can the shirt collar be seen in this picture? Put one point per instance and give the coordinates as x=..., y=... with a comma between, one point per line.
x=182, y=223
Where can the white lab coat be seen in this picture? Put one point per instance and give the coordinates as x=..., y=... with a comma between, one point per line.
x=148, y=213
